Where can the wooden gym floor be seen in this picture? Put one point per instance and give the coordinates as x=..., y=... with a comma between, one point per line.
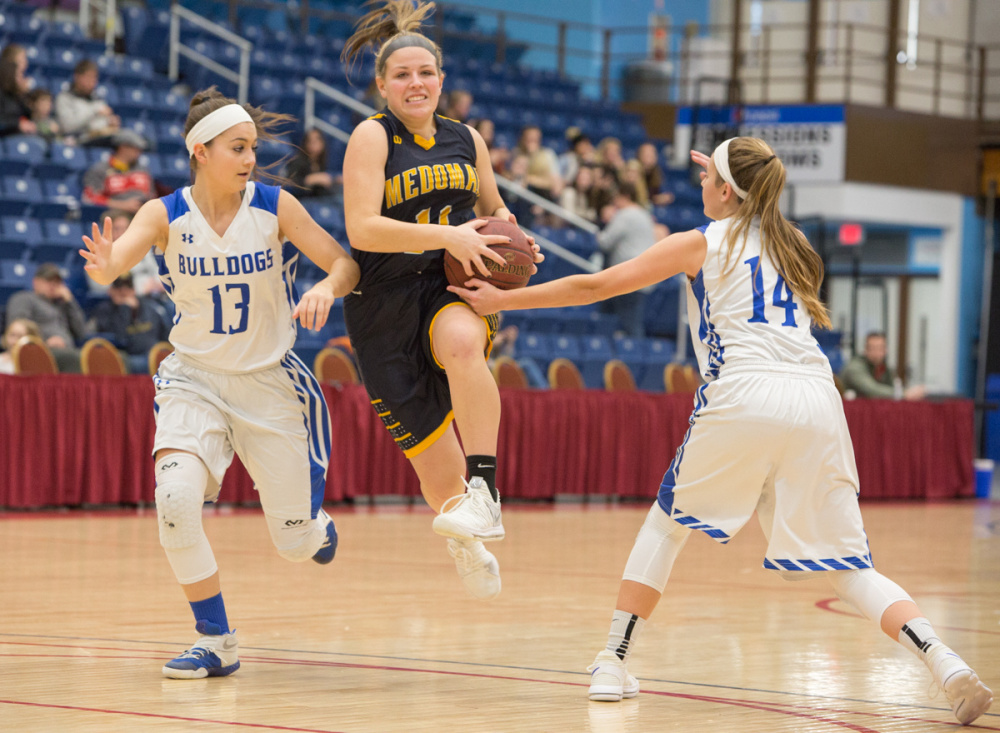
x=384, y=639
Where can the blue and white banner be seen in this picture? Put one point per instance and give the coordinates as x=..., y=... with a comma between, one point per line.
x=811, y=140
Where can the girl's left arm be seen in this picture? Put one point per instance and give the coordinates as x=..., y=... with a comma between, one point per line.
x=295, y=224
x=681, y=252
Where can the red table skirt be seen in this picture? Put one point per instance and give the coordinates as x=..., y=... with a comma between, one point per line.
x=71, y=440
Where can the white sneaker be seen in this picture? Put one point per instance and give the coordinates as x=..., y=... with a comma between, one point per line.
x=477, y=568
x=213, y=655
x=968, y=696
x=610, y=680
x=473, y=515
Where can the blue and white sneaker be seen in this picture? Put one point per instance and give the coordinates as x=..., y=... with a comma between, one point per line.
x=213, y=655
x=328, y=549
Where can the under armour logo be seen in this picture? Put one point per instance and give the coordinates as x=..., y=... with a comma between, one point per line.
x=294, y=522
x=397, y=139
x=187, y=238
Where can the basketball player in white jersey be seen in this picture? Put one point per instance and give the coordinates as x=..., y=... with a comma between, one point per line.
x=228, y=249
x=768, y=432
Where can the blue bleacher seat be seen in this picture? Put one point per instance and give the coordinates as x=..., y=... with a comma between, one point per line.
x=70, y=156
x=566, y=346
x=535, y=346
x=20, y=193
x=66, y=233
x=29, y=149
x=20, y=229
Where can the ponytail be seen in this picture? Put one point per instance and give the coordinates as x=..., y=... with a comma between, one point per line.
x=757, y=170
x=390, y=26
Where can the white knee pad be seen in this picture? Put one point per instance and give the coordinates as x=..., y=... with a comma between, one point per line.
x=298, y=539
x=657, y=545
x=181, y=480
x=867, y=590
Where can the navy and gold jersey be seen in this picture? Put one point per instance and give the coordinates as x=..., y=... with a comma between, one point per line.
x=426, y=182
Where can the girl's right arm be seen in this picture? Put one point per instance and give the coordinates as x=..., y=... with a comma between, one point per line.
x=106, y=262
x=367, y=229
x=681, y=252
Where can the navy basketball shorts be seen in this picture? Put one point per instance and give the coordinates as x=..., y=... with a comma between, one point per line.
x=390, y=326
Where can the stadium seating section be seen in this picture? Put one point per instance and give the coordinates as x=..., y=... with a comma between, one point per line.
x=42, y=217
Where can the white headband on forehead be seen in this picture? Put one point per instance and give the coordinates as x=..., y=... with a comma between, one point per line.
x=214, y=124
x=721, y=158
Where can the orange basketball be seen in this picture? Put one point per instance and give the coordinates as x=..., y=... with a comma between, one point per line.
x=517, y=254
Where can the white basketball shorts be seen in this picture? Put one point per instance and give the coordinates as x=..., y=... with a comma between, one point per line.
x=772, y=440
x=275, y=419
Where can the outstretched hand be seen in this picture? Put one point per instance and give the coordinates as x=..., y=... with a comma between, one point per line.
x=98, y=251
x=483, y=297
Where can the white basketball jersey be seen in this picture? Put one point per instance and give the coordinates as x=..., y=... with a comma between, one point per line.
x=234, y=294
x=743, y=310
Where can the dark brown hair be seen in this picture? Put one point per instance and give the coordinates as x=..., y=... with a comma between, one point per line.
x=388, y=27
x=758, y=171
x=206, y=101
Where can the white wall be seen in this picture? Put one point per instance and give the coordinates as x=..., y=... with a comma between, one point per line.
x=937, y=300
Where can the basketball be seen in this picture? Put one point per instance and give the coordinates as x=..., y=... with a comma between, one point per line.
x=518, y=255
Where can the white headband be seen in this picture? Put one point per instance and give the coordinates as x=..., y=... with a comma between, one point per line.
x=214, y=124
x=721, y=158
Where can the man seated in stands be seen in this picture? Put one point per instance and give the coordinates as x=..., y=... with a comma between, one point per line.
x=868, y=375
x=81, y=113
x=52, y=306
x=134, y=323
x=120, y=182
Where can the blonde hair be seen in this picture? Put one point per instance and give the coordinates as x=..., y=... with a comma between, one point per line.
x=206, y=101
x=757, y=170
x=393, y=25
x=30, y=326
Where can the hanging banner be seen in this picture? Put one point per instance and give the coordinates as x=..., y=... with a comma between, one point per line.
x=811, y=140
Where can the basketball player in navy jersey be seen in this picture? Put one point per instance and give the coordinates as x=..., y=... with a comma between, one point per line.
x=414, y=183
x=768, y=433
x=228, y=248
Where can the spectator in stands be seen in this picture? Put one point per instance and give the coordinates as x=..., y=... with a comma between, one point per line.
x=632, y=173
x=576, y=197
x=16, y=330
x=603, y=191
x=868, y=375
x=543, y=164
x=521, y=208
x=652, y=175
x=629, y=233
x=609, y=155
x=309, y=169
x=459, y=105
x=580, y=153
x=499, y=155
x=52, y=306
x=40, y=104
x=16, y=53
x=136, y=322
x=120, y=182
x=15, y=115
x=83, y=114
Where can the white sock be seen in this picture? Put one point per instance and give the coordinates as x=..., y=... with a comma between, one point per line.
x=918, y=636
x=625, y=629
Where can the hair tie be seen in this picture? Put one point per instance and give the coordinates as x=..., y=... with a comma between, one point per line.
x=770, y=159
